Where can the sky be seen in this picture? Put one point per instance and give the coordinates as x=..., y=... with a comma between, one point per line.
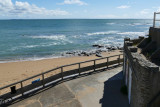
x=78, y=9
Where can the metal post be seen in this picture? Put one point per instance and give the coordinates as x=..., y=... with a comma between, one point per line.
x=154, y=20
x=119, y=60
x=79, y=68
x=107, y=62
x=43, y=79
x=94, y=65
x=22, y=89
x=62, y=72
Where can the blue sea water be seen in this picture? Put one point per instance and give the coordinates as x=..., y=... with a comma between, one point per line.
x=38, y=39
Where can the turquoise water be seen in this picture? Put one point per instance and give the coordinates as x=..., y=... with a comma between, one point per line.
x=38, y=39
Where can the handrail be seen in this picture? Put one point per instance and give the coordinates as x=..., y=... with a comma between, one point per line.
x=61, y=69
x=55, y=69
x=154, y=19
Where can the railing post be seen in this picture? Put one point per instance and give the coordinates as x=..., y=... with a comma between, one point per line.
x=107, y=62
x=22, y=88
x=154, y=19
x=62, y=72
x=79, y=68
x=119, y=60
x=43, y=79
x=94, y=65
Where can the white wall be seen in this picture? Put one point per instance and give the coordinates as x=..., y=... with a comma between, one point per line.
x=130, y=84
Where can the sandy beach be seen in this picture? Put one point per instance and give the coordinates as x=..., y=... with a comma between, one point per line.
x=16, y=71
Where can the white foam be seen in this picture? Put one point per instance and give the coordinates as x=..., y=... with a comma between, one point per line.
x=137, y=24
x=59, y=38
x=110, y=23
x=51, y=37
x=34, y=46
x=132, y=33
x=149, y=24
x=118, y=38
x=30, y=46
x=30, y=59
x=102, y=33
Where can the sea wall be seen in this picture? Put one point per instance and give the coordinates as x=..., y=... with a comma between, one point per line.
x=141, y=77
x=154, y=33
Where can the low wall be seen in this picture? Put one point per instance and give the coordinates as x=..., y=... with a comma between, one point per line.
x=155, y=35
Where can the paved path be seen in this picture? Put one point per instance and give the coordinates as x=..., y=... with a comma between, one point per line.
x=96, y=90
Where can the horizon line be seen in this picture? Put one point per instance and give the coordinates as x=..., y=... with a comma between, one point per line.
x=82, y=19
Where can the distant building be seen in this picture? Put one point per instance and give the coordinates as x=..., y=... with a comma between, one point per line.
x=141, y=68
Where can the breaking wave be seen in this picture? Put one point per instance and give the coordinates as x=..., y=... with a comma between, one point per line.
x=132, y=33
x=51, y=37
x=110, y=23
x=118, y=38
x=102, y=33
x=60, y=38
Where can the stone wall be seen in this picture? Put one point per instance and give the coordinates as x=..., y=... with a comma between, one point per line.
x=144, y=79
x=154, y=33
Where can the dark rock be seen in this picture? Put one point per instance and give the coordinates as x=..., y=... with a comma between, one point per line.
x=120, y=48
x=69, y=52
x=98, y=55
x=95, y=45
x=98, y=46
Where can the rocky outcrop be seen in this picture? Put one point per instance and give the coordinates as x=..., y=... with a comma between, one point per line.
x=98, y=49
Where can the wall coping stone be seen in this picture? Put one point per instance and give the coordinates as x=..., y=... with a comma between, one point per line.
x=128, y=43
x=126, y=39
x=133, y=49
x=145, y=63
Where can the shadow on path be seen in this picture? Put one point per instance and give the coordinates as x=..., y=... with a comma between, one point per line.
x=112, y=97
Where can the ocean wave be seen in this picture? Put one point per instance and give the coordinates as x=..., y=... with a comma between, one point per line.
x=50, y=37
x=35, y=46
x=102, y=33
x=110, y=23
x=149, y=24
x=137, y=24
x=132, y=33
x=118, y=38
x=30, y=46
x=30, y=59
x=61, y=38
x=109, y=42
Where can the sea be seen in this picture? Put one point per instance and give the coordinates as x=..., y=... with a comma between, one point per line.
x=24, y=40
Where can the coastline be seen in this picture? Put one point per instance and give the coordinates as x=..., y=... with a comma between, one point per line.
x=16, y=71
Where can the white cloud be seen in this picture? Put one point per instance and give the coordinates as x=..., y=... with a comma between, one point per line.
x=123, y=7
x=145, y=11
x=24, y=9
x=144, y=14
x=158, y=10
x=79, y=2
x=109, y=16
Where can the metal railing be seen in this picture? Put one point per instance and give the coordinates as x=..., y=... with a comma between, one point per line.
x=59, y=76
x=154, y=19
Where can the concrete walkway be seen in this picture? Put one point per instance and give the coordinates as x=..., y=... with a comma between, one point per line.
x=96, y=90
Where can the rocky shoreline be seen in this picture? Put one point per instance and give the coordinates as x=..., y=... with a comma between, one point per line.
x=98, y=49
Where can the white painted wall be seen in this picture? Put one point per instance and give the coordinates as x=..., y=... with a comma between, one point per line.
x=126, y=80
x=130, y=84
x=124, y=64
